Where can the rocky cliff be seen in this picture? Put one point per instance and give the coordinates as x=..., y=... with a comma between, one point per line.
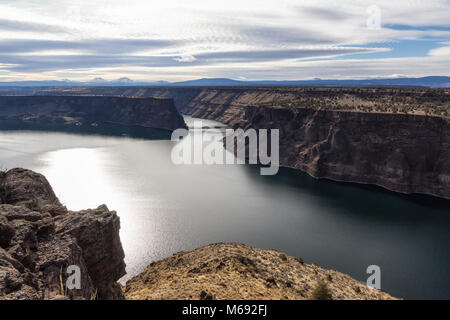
x=235, y=271
x=402, y=153
x=364, y=99
x=40, y=239
x=65, y=109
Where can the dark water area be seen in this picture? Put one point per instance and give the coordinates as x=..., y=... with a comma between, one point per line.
x=408, y=236
x=165, y=208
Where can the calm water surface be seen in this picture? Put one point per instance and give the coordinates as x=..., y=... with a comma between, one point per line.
x=166, y=208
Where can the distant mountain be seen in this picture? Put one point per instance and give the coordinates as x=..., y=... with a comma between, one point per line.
x=125, y=80
x=210, y=82
x=98, y=80
x=430, y=82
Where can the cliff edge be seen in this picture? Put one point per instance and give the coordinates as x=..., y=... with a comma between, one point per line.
x=78, y=110
x=402, y=153
x=40, y=239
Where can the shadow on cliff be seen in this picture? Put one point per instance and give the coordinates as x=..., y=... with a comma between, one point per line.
x=103, y=129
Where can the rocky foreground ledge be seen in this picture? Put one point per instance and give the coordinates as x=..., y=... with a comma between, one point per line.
x=238, y=272
x=40, y=238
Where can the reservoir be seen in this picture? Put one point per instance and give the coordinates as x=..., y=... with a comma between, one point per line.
x=165, y=208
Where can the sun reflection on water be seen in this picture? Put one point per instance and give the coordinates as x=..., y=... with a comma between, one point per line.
x=80, y=173
x=85, y=178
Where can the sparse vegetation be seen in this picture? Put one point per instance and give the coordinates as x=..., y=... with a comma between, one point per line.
x=62, y=288
x=400, y=100
x=321, y=292
x=419, y=101
x=283, y=257
x=94, y=295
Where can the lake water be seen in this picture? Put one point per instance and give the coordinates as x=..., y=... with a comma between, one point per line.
x=166, y=208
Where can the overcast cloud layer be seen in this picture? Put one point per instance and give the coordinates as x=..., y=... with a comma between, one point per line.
x=255, y=40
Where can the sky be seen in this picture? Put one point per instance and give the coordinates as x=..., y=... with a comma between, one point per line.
x=239, y=39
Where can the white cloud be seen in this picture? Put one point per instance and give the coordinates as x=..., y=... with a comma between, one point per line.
x=151, y=33
x=185, y=58
x=442, y=51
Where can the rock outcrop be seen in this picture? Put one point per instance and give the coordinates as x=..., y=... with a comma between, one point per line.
x=40, y=239
x=237, y=272
x=79, y=110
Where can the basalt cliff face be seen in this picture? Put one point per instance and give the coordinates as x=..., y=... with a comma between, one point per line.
x=40, y=239
x=64, y=109
x=402, y=153
x=365, y=99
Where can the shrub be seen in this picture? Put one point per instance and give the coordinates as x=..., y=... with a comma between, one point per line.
x=321, y=292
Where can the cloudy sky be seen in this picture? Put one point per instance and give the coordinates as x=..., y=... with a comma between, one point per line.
x=240, y=39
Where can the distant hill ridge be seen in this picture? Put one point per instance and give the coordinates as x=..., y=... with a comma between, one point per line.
x=429, y=82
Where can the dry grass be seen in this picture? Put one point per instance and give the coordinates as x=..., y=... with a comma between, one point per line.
x=235, y=271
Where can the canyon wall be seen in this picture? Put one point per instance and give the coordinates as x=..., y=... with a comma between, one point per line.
x=64, y=109
x=403, y=153
x=397, y=138
x=407, y=153
x=364, y=99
